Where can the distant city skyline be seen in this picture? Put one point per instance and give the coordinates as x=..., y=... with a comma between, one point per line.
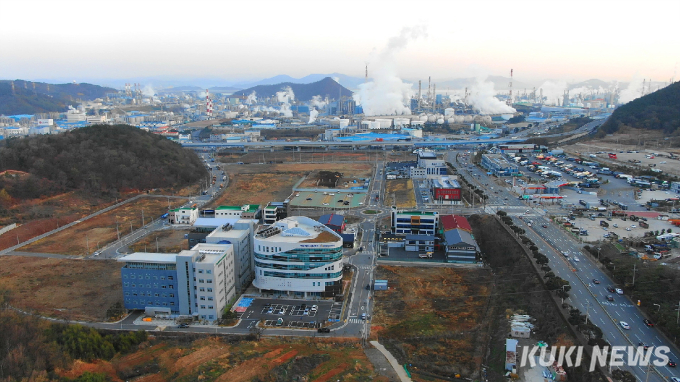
x=246, y=41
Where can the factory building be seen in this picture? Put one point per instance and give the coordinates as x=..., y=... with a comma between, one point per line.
x=498, y=165
x=460, y=246
x=197, y=282
x=298, y=256
x=333, y=221
x=428, y=160
x=414, y=222
x=445, y=189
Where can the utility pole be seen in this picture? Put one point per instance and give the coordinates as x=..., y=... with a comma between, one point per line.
x=587, y=311
x=156, y=244
x=143, y=218
x=634, y=265
x=87, y=240
x=117, y=231
x=131, y=227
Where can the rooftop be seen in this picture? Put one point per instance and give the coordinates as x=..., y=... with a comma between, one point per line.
x=450, y=222
x=427, y=213
x=144, y=257
x=298, y=229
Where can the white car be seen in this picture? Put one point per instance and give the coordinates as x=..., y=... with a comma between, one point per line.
x=576, y=259
x=633, y=226
x=624, y=325
x=619, y=291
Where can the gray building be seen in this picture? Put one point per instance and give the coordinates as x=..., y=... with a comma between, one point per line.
x=461, y=246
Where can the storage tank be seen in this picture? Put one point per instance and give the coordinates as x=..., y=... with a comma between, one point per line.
x=440, y=121
x=449, y=112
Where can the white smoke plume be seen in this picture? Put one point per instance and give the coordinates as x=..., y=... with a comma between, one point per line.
x=149, y=91
x=317, y=102
x=387, y=94
x=312, y=116
x=286, y=95
x=554, y=92
x=285, y=110
x=252, y=98
x=633, y=91
x=482, y=98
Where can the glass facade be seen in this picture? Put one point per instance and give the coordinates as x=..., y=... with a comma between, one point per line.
x=147, y=287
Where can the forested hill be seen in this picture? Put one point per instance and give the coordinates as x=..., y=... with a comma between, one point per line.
x=656, y=111
x=39, y=97
x=303, y=92
x=98, y=158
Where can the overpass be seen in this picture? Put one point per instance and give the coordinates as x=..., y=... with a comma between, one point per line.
x=326, y=144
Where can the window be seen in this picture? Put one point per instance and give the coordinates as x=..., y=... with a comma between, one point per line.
x=133, y=285
x=171, y=277
x=203, y=307
x=210, y=298
x=172, y=303
x=147, y=277
x=171, y=286
x=209, y=289
x=201, y=281
x=202, y=298
x=210, y=307
x=172, y=295
x=202, y=289
x=132, y=276
x=210, y=317
x=200, y=271
x=127, y=293
x=127, y=284
x=209, y=281
x=125, y=276
x=155, y=295
x=163, y=286
x=208, y=271
x=162, y=277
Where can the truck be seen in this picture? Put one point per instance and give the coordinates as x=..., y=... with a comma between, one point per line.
x=426, y=255
x=612, y=156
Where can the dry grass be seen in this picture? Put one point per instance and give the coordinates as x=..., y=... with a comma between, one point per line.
x=100, y=230
x=433, y=316
x=71, y=289
x=169, y=241
x=261, y=184
x=400, y=192
x=214, y=359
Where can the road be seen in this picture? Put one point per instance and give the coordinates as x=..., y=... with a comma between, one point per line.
x=588, y=297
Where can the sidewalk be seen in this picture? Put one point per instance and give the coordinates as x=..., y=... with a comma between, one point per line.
x=393, y=361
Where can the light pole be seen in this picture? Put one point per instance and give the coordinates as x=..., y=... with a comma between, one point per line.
x=658, y=307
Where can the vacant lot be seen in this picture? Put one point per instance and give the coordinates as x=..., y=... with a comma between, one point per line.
x=350, y=173
x=399, y=192
x=434, y=318
x=101, y=230
x=216, y=359
x=166, y=241
x=260, y=184
x=69, y=289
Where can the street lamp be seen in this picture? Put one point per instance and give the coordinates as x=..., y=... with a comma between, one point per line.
x=658, y=307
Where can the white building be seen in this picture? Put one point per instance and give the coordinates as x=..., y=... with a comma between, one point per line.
x=206, y=281
x=240, y=235
x=299, y=256
x=246, y=211
x=183, y=215
x=199, y=282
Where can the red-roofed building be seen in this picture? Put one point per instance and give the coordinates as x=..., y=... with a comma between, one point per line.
x=449, y=222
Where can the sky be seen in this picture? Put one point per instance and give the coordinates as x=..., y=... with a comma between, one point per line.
x=254, y=39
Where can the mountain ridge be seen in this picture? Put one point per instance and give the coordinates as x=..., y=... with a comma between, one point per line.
x=303, y=92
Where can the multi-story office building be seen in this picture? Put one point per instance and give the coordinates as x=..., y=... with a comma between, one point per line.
x=248, y=211
x=198, y=282
x=183, y=215
x=414, y=222
x=240, y=235
x=299, y=256
x=428, y=160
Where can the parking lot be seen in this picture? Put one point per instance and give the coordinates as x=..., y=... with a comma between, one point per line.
x=293, y=313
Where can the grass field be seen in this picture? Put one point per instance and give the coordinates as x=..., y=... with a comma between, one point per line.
x=400, y=192
x=101, y=230
x=215, y=359
x=69, y=289
x=433, y=318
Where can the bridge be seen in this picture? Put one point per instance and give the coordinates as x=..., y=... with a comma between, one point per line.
x=328, y=144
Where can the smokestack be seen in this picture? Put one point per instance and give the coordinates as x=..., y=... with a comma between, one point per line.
x=429, y=89
x=510, y=86
x=366, y=78
x=420, y=92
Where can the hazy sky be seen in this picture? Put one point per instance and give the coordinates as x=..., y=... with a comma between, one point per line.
x=567, y=40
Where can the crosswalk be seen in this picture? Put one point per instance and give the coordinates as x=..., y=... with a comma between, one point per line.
x=355, y=321
x=365, y=267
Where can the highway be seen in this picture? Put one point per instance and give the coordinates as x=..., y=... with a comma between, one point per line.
x=588, y=297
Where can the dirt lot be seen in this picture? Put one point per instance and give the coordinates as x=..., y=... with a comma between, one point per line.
x=428, y=312
x=349, y=175
x=70, y=289
x=216, y=359
x=657, y=145
x=260, y=184
x=166, y=241
x=304, y=156
x=101, y=229
x=399, y=192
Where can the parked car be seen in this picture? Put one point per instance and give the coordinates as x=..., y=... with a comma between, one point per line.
x=314, y=308
x=182, y=326
x=324, y=330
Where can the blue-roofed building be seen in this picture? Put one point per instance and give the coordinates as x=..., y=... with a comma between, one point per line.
x=334, y=222
x=499, y=166
x=461, y=246
x=150, y=280
x=419, y=243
